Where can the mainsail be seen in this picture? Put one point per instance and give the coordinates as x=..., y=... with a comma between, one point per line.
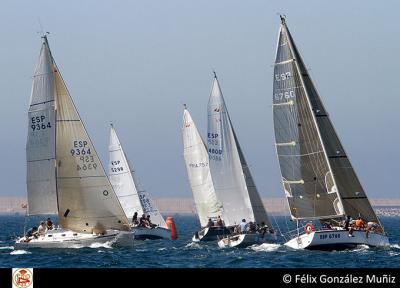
x=122, y=178
x=41, y=141
x=197, y=167
x=318, y=178
x=85, y=200
x=233, y=182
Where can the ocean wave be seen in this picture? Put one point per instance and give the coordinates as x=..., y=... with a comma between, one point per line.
x=266, y=247
x=19, y=252
x=193, y=245
x=396, y=246
x=7, y=247
x=107, y=245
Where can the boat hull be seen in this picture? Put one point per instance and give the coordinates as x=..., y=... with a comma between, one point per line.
x=245, y=240
x=210, y=233
x=61, y=238
x=337, y=240
x=141, y=233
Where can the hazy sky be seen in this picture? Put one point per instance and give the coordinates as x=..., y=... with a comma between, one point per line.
x=136, y=62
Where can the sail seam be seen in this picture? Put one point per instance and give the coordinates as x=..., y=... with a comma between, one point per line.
x=30, y=161
x=39, y=103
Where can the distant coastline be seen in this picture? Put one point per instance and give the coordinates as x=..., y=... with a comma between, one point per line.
x=274, y=206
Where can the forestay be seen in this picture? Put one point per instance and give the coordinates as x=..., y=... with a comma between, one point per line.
x=233, y=182
x=40, y=146
x=198, y=169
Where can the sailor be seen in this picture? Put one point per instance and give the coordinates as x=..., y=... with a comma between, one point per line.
x=251, y=228
x=31, y=233
x=134, y=219
x=149, y=224
x=371, y=226
x=263, y=228
x=359, y=224
x=42, y=229
x=219, y=222
x=347, y=222
x=49, y=223
x=210, y=223
x=142, y=221
x=243, y=225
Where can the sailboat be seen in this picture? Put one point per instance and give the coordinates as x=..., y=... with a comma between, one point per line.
x=319, y=182
x=132, y=198
x=198, y=170
x=233, y=183
x=64, y=173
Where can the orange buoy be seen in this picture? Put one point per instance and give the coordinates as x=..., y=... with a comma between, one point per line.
x=171, y=226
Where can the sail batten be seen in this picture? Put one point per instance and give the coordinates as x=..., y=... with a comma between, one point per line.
x=328, y=164
x=233, y=182
x=198, y=170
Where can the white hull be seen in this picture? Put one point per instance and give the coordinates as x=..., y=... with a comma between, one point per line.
x=141, y=233
x=60, y=238
x=210, y=233
x=336, y=240
x=244, y=240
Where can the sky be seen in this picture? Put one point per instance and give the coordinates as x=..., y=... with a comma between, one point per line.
x=135, y=63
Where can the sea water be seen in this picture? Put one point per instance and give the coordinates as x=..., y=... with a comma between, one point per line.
x=183, y=253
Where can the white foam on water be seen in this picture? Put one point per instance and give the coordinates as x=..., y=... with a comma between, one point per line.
x=266, y=247
x=193, y=245
x=162, y=249
x=102, y=245
x=19, y=252
x=7, y=247
x=361, y=247
x=396, y=246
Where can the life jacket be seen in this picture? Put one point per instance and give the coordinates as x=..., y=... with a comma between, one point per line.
x=359, y=223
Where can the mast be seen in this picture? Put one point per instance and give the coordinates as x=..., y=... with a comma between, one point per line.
x=297, y=103
x=232, y=179
x=198, y=170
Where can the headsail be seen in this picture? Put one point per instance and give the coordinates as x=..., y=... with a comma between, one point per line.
x=317, y=175
x=233, y=182
x=87, y=201
x=41, y=141
x=122, y=177
x=197, y=167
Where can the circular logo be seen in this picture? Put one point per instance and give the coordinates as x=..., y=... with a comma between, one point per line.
x=23, y=278
x=105, y=193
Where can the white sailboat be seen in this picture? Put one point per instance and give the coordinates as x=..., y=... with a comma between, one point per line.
x=132, y=198
x=319, y=181
x=64, y=174
x=198, y=170
x=231, y=176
